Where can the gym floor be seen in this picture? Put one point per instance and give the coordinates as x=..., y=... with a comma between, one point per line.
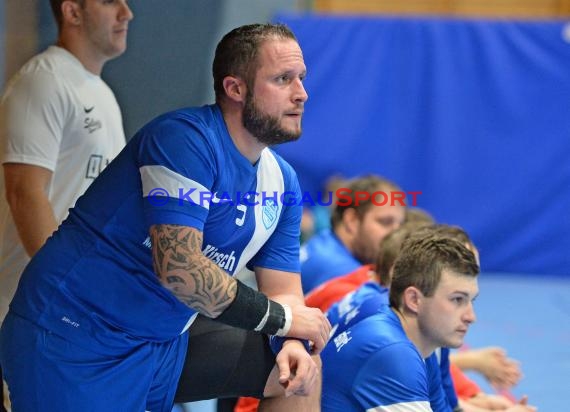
x=529, y=316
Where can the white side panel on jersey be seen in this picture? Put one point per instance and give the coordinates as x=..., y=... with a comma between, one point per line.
x=269, y=180
x=160, y=181
x=418, y=406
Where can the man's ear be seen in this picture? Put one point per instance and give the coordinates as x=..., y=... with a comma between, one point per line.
x=411, y=299
x=351, y=221
x=235, y=88
x=71, y=13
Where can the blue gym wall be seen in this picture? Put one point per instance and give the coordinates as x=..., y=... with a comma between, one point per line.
x=475, y=114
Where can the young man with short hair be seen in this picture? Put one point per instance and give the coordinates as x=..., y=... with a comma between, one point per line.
x=388, y=359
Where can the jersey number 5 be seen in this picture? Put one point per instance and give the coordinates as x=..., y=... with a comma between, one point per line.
x=241, y=220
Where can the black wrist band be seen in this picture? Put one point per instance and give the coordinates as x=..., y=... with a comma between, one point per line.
x=252, y=310
x=275, y=320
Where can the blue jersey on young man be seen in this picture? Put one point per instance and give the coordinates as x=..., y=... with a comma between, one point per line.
x=93, y=282
x=364, y=302
x=324, y=257
x=370, y=362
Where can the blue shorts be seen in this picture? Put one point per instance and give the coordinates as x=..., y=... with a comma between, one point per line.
x=46, y=372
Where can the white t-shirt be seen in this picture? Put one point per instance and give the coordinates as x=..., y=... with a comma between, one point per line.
x=57, y=115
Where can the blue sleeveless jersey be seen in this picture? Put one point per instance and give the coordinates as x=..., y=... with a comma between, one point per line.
x=93, y=282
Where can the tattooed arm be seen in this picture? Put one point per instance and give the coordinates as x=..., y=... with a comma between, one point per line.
x=202, y=285
x=184, y=270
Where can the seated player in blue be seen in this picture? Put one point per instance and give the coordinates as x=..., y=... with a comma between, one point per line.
x=371, y=296
x=358, y=227
x=100, y=318
x=366, y=301
x=387, y=359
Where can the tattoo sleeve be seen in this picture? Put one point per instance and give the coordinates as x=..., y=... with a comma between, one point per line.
x=187, y=273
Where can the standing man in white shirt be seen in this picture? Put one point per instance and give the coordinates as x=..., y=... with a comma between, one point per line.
x=60, y=125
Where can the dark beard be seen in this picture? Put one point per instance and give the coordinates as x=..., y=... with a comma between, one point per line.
x=265, y=127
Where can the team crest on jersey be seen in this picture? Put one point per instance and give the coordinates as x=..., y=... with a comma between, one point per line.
x=269, y=213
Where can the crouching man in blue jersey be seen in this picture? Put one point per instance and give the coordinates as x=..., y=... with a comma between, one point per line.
x=388, y=359
x=100, y=318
